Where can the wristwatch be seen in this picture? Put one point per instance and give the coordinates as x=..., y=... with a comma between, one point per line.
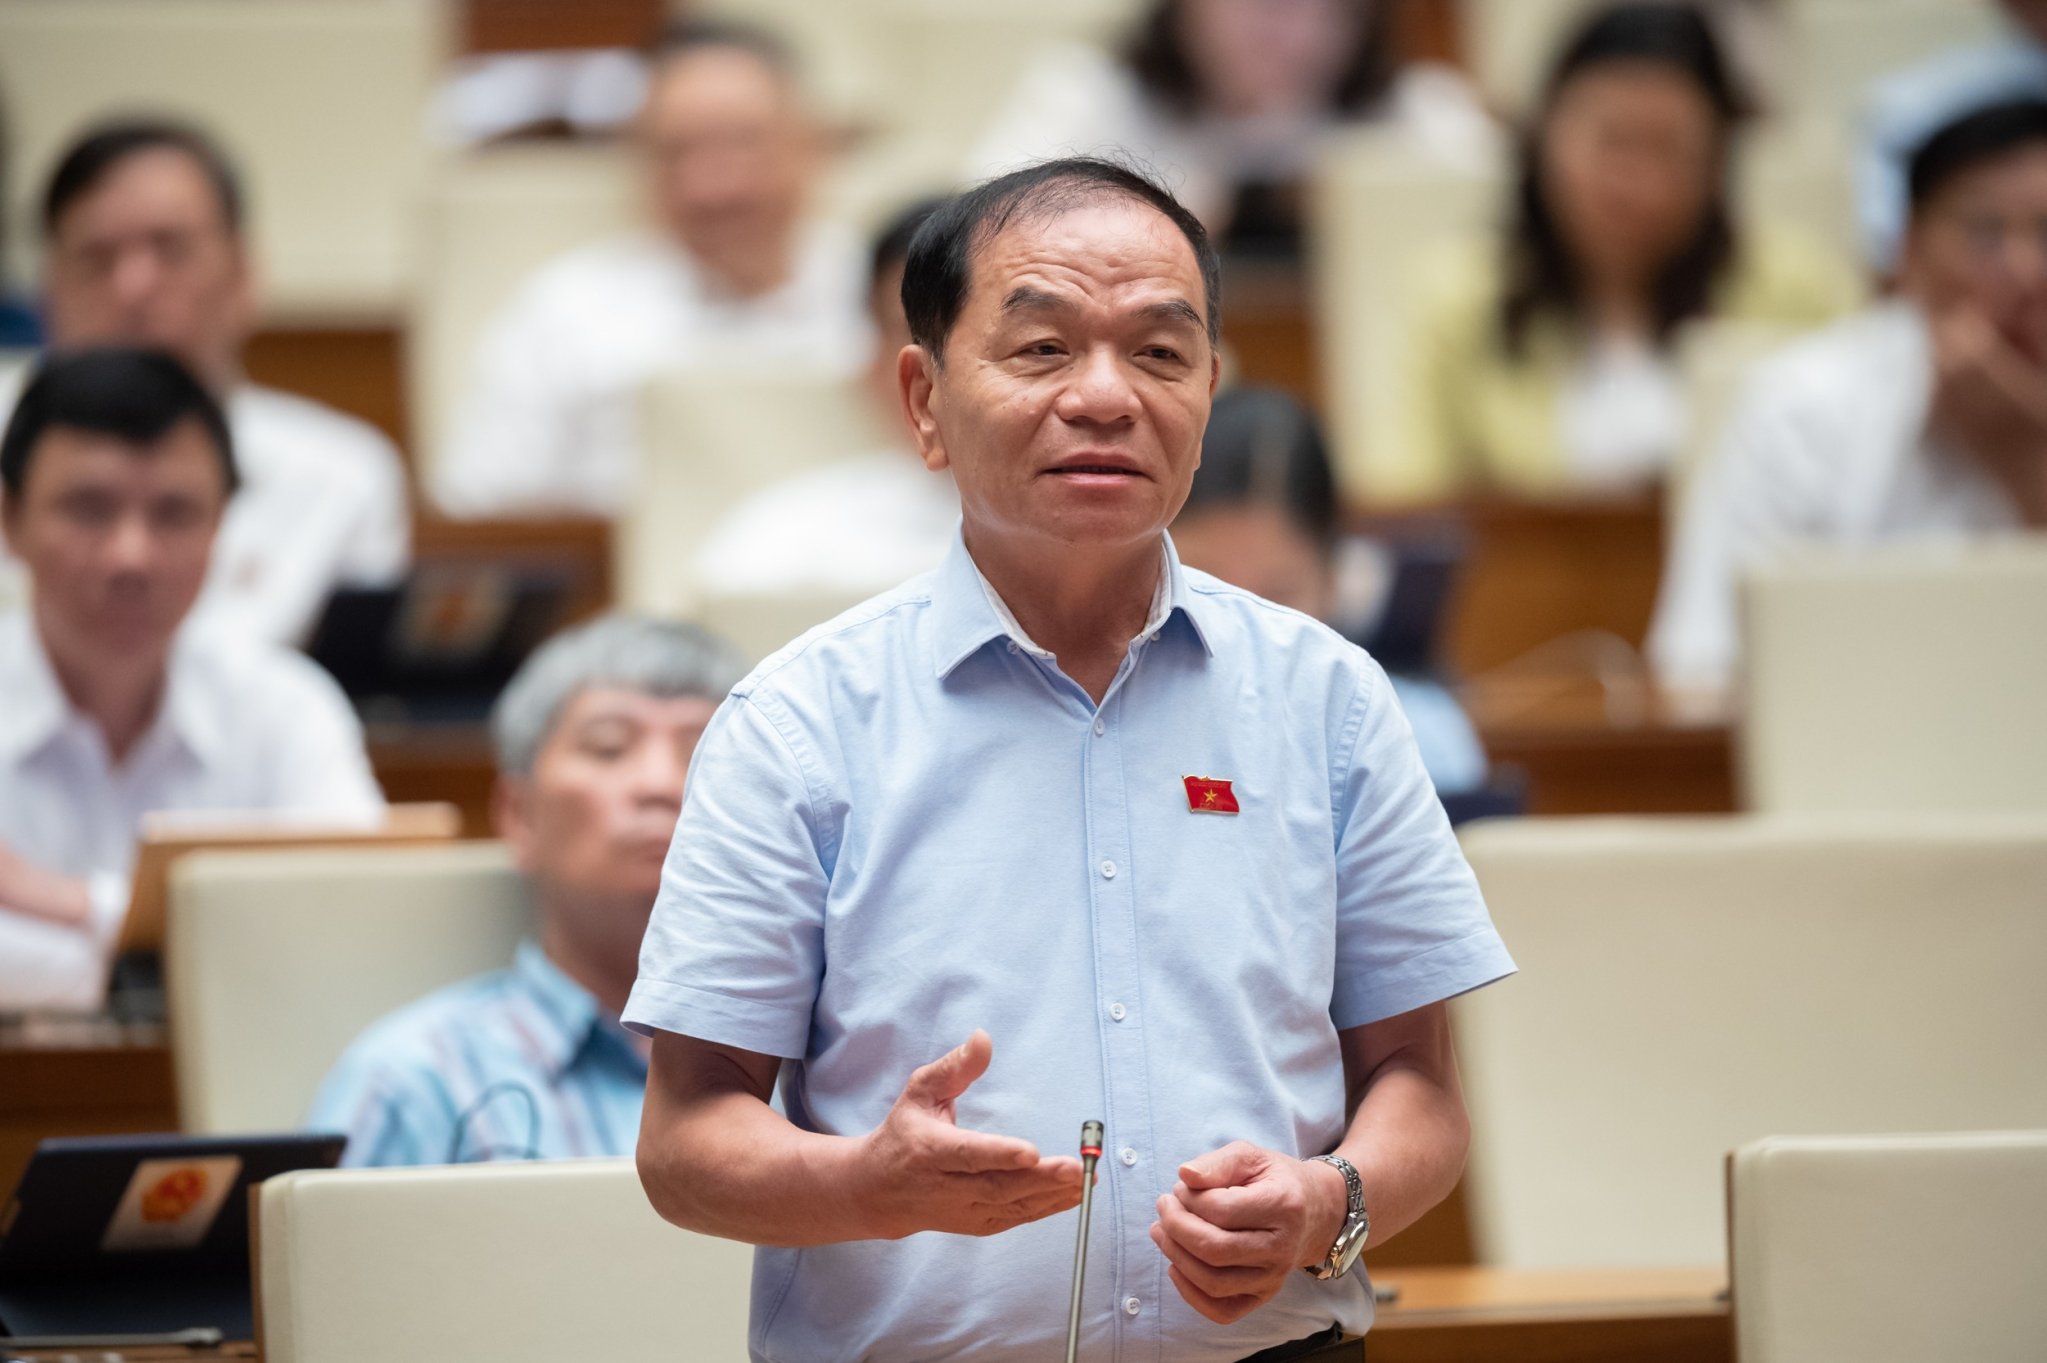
x=1350, y=1241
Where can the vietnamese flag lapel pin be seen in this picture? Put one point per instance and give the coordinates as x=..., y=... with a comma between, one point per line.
x=1207, y=795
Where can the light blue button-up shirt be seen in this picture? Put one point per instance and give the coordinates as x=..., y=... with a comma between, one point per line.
x=517, y=1064
x=909, y=824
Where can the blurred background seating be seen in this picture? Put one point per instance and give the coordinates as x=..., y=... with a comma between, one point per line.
x=1815, y=1281
x=1688, y=986
x=513, y=1272
x=276, y=960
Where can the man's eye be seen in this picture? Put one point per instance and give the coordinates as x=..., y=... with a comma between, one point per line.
x=88, y=509
x=1043, y=348
x=1161, y=352
x=178, y=516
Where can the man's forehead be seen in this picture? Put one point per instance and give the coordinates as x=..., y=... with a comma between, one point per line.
x=74, y=454
x=1099, y=244
x=152, y=177
x=725, y=77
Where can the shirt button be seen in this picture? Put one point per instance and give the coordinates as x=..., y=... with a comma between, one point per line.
x=1131, y=1306
x=1108, y=870
x=1118, y=1011
x=1100, y=728
x=1012, y=646
x=1127, y=1155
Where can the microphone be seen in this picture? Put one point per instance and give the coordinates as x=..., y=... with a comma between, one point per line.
x=1090, y=1151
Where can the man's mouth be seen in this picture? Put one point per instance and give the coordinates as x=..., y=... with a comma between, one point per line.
x=1097, y=468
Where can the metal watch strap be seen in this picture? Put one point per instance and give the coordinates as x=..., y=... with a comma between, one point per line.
x=1356, y=1225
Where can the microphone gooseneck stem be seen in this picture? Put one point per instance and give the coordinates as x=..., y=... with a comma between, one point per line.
x=1090, y=1151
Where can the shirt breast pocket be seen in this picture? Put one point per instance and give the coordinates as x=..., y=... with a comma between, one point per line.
x=1250, y=894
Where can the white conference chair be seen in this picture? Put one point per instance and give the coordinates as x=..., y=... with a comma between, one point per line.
x=275, y=961
x=489, y=1263
x=1377, y=211
x=758, y=623
x=1690, y=985
x=709, y=439
x=1838, y=49
x=1890, y=1249
x=489, y=219
x=1900, y=678
x=322, y=103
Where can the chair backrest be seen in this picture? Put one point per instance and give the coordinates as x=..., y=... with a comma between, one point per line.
x=515, y=1263
x=322, y=104
x=277, y=959
x=489, y=219
x=710, y=439
x=1903, y=678
x=1839, y=48
x=1714, y=356
x=1821, y=54
x=1689, y=985
x=1377, y=209
x=758, y=623
x=1890, y=1249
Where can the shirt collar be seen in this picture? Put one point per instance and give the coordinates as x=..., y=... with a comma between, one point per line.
x=38, y=710
x=569, y=1013
x=972, y=614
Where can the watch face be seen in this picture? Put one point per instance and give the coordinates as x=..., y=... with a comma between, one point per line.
x=1348, y=1254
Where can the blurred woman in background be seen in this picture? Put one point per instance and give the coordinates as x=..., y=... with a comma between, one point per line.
x=1544, y=364
x=1262, y=515
x=1227, y=100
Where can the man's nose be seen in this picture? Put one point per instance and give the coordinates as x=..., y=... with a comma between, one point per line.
x=1101, y=390
x=657, y=775
x=131, y=547
x=135, y=277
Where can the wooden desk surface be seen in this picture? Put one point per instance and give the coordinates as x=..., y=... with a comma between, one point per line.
x=1465, y=1314
x=1433, y=1295
x=1617, y=747
x=79, y=1076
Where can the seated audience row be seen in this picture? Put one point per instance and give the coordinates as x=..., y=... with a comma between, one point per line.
x=117, y=468
x=1923, y=416
x=737, y=274
x=1230, y=101
x=1543, y=363
x=593, y=742
x=143, y=234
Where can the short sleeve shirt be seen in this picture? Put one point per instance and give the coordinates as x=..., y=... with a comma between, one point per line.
x=909, y=824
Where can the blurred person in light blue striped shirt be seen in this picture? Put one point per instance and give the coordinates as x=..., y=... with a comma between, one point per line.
x=594, y=737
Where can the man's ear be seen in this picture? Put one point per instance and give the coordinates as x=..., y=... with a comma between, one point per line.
x=1215, y=369
x=917, y=377
x=511, y=816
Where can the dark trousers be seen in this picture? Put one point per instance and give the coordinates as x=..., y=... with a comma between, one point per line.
x=1327, y=1346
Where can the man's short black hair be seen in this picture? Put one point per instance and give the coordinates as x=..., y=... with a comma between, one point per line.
x=940, y=266
x=1970, y=141
x=691, y=35
x=102, y=148
x=131, y=392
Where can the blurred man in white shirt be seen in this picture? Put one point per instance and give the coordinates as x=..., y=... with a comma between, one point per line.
x=117, y=469
x=144, y=245
x=1909, y=106
x=864, y=522
x=737, y=275
x=1925, y=416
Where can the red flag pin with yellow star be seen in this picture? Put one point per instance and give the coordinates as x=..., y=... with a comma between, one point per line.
x=1207, y=795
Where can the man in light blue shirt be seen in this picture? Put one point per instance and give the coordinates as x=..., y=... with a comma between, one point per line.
x=1910, y=106
x=1134, y=844
x=594, y=737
